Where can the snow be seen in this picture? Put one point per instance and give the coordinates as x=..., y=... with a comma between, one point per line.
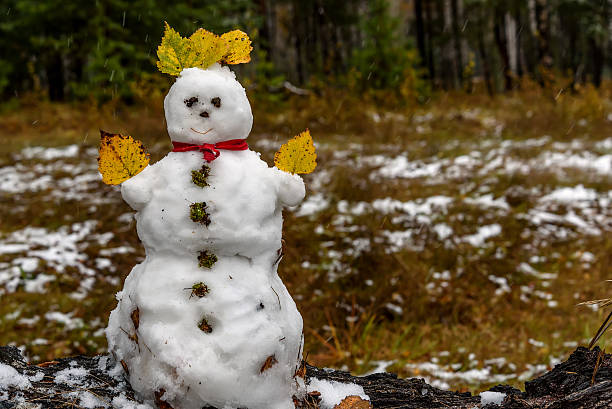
x=9, y=377
x=39, y=152
x=12, y=248
x=78, y=182
x=71, y=376
x=381, y=366
x=314, y=204
x=529, y=270
x=232, y=120
x=27, y=264
x=332, y=392
x=495, y=398
x=240, y=344
x=88, y=400
x=37, y=285
x=401, y=167
x=570, y=195
x=586, y=161
x=122, y=402
x=66, y=319
x=412, y=208
x=394, y=308
x=59, y=249
x=488, y=201
x=441, y=375
x=443, y=230
x=483, y=234
x=37, y=377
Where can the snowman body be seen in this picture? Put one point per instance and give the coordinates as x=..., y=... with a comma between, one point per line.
x=227, y=333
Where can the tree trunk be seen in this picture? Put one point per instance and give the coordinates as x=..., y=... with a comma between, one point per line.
x=520, y=58
x=420, y=33
x=511, y=42
x=543, y=33
x=499, y=31
x=55, y=77
x=298, y=46
x=430, y=52
x=598, y=49
x=482, y=50
x=459, y=59
x=584, y=381
x=597, y=56
x=449, y=70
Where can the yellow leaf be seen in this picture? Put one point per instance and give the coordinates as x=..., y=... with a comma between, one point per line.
x=170, y=51
x=298, y=155
x=121, y=157
x=204, y=49
x=239, y=47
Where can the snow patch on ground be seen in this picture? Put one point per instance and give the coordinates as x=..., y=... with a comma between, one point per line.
x=44, y=153
x=313, y=204
x=482, y=235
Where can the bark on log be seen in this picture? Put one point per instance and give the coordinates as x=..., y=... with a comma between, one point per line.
x=583, y=381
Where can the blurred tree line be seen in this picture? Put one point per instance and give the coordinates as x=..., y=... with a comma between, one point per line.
x=106, y=48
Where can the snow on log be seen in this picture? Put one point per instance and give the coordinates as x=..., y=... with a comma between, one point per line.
x=584, y=381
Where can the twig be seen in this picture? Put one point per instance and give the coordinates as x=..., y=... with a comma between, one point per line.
x=601, y=330
x=597, y=365
x=280, y=306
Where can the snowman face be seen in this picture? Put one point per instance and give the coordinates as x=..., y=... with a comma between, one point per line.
x=207, y=106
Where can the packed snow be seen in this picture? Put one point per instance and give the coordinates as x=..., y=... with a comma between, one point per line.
x=10, y=377
x=238, y=344
x=495, y=398
x=332, y=392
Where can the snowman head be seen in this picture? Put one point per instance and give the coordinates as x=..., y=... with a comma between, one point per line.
x=207, y=106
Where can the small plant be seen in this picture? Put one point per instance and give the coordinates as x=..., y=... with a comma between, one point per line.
x=198, y=213
x=199, y=290
x=205, y=326
x=198, y=177
x=206, y=259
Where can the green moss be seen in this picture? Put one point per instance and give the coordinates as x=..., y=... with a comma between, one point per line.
x=206, y=259
x=198, y=213
x=199, y=290
x=198, y=177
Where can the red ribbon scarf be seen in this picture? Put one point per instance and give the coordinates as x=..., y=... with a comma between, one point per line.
x=211, y=150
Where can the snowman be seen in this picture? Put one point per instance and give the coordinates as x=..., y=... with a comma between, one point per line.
x=205, y=320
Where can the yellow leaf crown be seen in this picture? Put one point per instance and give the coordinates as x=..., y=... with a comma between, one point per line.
x=201, y=50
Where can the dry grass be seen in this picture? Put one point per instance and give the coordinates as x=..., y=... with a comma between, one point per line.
x=344, y=296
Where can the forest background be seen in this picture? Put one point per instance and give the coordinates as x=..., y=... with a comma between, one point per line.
x=459, y=213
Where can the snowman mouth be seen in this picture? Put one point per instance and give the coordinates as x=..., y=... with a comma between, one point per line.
x=200, y=132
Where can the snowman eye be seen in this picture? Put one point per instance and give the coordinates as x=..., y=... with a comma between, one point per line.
x=189, y=102
x=216, y=101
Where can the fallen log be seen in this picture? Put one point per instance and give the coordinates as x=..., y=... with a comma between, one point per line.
x=584, y=380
